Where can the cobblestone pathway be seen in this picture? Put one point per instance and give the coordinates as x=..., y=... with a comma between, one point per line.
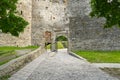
x=60, y=66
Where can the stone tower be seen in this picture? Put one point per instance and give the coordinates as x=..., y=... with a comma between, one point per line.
x=48, y=15
x=42, y=15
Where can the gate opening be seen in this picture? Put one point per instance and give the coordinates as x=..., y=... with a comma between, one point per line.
x=61, y=42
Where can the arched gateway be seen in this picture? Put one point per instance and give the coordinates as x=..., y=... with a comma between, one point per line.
x=51, y=38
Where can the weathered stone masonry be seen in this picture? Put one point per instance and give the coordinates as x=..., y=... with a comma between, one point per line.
x=59, y=16
x=87, y=36
x=87, y=33
x=47, y=15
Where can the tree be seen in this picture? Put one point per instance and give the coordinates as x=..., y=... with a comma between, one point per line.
x=61, y=38
x=110, y=9
x=10, y=22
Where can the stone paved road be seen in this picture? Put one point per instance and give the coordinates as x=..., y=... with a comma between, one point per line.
x=62, y=66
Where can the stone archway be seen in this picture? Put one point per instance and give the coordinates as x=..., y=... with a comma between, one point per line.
x=54, y=41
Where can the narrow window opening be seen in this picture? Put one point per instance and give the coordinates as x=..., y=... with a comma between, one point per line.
x=21, y=12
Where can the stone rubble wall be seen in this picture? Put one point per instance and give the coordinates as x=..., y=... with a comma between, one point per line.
x=15, y=64
x=24, y=8
x=87, y=33
x=90, y=35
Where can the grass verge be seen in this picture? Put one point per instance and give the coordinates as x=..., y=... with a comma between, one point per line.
x=8, y=53
x=100, y=56
x=59, y=45
x=8, y=48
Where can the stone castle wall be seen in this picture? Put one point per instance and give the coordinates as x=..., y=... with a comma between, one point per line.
x=47, y=15
x=84, y=32
x=87, y=33
x=24, y=8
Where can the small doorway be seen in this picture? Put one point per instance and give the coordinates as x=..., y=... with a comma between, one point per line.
x=48, y=39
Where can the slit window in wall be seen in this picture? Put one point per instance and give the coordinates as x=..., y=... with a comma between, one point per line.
x=21, y=12
x=46, y=7
x=53, y=17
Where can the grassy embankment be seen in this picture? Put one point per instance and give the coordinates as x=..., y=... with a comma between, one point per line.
x=100, y=56
x=8, y=53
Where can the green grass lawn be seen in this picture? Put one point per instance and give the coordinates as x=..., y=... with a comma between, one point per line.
x=9, y=48
x=100, y=56
x=59, y=44
x=8, y=53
